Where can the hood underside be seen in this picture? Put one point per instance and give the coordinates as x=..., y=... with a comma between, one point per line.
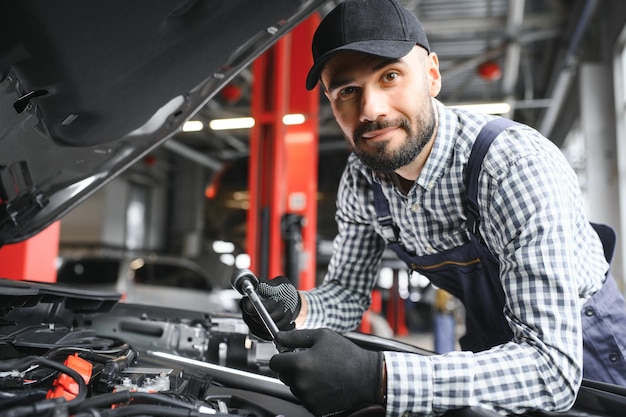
x=88, y=88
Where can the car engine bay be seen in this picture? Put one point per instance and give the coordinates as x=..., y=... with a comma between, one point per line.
x=70, y=352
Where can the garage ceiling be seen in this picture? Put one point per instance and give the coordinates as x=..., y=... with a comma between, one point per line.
x=535, y=43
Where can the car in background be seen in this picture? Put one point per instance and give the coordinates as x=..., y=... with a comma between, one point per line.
x=150, y=279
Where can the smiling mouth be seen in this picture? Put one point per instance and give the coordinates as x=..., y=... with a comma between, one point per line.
x=379, y=134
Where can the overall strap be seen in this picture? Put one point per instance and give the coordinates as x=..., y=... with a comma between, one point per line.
x=390, y=231
x=485, y=137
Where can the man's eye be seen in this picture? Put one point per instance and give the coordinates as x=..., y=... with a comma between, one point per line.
x=390, y=76
x=346, y=91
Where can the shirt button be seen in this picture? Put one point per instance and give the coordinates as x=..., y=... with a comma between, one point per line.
x=415, y=208
x=431, y=185
x=613, y=357
x=589, y=311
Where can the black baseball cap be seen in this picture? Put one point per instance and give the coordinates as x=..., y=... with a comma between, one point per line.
x=377, y=27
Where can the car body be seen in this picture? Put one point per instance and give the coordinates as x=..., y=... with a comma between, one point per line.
x=86, y=90
x=164, y=280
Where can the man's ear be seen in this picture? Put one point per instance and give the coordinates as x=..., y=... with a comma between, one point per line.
x=434, y=76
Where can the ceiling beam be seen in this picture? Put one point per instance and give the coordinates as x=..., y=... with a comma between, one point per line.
x=567, y=69
x=442, y=27
x=193, y=155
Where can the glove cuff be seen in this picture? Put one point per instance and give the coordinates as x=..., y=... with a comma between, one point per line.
x=373, y=389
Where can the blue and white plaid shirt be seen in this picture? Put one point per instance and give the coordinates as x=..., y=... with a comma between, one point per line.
x=533, y=221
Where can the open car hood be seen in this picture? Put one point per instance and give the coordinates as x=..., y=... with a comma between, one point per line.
x=88, y=88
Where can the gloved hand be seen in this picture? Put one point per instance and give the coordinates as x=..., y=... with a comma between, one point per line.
x=329, y=373
x=282, y=301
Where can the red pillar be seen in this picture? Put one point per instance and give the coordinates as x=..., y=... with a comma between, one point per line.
x=33, y=259
x=267, y=161
x=283, y=159
x=302, y=148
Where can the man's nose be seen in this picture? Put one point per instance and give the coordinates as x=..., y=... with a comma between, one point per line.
x=373, y=105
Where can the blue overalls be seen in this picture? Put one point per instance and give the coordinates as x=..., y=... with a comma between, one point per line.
x=471, y=274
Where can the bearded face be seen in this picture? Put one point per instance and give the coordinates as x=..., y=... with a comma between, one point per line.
x=385, y=107
x=386, y=157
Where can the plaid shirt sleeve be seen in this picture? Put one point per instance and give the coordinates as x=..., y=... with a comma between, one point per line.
x=339, y=303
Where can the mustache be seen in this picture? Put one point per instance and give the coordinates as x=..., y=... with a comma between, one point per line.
x=401, y=122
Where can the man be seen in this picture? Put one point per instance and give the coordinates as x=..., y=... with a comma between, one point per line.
x=504, y=230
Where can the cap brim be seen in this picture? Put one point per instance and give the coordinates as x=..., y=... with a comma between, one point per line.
x=382, y=48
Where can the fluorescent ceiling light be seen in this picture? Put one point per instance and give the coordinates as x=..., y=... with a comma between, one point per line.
x=487, y=108
x=193, y=126
x=227, y=259
x=248, y=122
x=220, y=246
x=293, y=119
x=242, y=261
x=236, y=123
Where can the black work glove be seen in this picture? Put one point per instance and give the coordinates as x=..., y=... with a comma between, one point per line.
x=282, y=301
x=329, y=373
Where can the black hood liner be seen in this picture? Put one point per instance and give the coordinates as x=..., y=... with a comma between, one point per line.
x=97, y=68
x=87, y=88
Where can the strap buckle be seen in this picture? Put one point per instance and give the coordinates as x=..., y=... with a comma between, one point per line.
x=390, y=232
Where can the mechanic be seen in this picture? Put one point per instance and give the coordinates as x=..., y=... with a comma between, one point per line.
x=506, y=233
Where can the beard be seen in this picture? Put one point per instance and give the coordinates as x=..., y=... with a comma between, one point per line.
x=383, y=160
